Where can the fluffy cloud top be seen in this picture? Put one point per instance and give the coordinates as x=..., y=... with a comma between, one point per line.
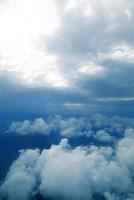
x=100, y=127
x=62, y=172
x=28, y=127
x=103, y=136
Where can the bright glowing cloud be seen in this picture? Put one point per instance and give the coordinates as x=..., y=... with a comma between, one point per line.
x=73, y=173
x=91, y=69
x=22, y=24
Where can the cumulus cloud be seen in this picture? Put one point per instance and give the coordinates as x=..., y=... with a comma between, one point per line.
x=63, y=172
x=98, y=126
x=20, y=181
x=72, y=127
x=103, y=136
x=28, y=127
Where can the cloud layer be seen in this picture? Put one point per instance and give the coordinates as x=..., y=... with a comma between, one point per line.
x=75, y=55
x=62, y=172
x=88, y=172
x=73, y=58
x=97, y=127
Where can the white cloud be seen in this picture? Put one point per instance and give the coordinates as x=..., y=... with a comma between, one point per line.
x=28, y=127
x=100, y=127
x=67, y=173
x=122, y=52
x=103, y=136
x=91, y=69
x=19, y=38
x=125, y=152
x=64, y=48
x=129, y=132
x=20, y=181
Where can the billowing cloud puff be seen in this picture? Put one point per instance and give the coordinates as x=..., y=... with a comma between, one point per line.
x=63, y=172
x=28, y=127
x=100, y=127
x=72, y=127
x=103, y=136
x=20, y=181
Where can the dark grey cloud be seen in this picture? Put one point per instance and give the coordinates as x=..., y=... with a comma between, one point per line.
x=101, y=37
x=20, y=102
x=118, y=81
x=108, y=25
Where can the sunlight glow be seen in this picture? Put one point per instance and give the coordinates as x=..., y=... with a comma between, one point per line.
x=83, y=5
x=91, y=69
x=22, y=24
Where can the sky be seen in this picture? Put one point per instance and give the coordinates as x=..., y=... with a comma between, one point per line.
x=66, y=100
x=68, y=57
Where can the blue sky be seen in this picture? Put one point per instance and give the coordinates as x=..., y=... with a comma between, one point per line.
x=70, y=57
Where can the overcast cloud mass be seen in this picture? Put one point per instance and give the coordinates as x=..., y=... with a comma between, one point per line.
x=66, y=57
x=61, y=63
